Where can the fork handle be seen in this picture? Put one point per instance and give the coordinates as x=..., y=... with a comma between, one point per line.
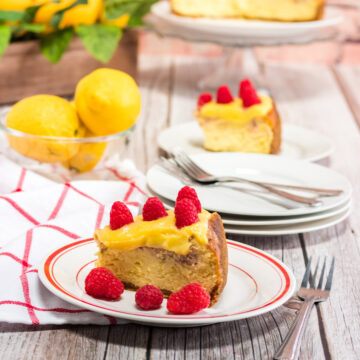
x=290, y=348
x=285, y=194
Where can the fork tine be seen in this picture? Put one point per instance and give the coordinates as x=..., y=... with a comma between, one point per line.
x=174, y=169
x=192, y=163
x=189, y=165
x=187, y=158
x=331, y=273
x=312, y=282
x=184, y=167
x=322, y=274
x=307, y=273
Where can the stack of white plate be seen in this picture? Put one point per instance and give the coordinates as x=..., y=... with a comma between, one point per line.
x=248, y=210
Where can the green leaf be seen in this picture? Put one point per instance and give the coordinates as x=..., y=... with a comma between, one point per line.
x=34, y=28
x=144, y=8
x=141, y=11
x=100, y=40
x=114, y=9
x=58, y=16
x=9, y=15
x=55, y=44
x=135, y=21
x=5, y=36
x=30, y=13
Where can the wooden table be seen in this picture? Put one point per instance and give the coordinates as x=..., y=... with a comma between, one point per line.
x=321, y=97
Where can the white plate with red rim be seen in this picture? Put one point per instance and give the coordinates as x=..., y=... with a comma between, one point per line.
x=257, y=283
x=297, y=142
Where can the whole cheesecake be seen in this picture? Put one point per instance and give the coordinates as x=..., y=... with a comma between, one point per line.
x=249, y=123
x=159, y=253
x=273, y=10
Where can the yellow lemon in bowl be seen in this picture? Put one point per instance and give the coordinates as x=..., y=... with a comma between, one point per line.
x=108, y=101
x=44, y=115
x=79, y=14
x=88, y=155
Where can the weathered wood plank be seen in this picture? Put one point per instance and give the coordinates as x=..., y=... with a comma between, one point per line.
x=349, y=80
x=154, y=75
x=265, y=333
x=312, y=98
x=168, y=343
x=127, y=342
x=19, y=342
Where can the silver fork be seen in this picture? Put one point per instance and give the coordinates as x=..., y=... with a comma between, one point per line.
x=290, y=348
x=171, y=167
x=322, y=192
x=200, y=175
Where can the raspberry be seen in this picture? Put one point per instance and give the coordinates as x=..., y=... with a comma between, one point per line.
x=188, y=300
x=185, y=213
x=203, y=99
x=102, y=284
x=248, y=94
x=153, y=209
x=224, y=95
x=149, y=297
x=120, y=215
x=189, y=193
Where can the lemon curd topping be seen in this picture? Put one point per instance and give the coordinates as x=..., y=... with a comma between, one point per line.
x=235, y=110
x=161, y=233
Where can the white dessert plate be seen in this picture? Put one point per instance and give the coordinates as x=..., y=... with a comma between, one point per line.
x=250, y=201
x=267, y=221
x=289, y=229
x=297, y=142
x=257, y=283
x=246, y=28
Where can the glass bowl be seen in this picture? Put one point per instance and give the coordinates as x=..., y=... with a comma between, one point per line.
x=63, y=157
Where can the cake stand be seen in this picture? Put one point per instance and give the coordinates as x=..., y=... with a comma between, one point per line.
x=233, y=34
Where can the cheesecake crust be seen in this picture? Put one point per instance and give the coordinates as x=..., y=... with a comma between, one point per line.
x=275, y=121
x=217, y=243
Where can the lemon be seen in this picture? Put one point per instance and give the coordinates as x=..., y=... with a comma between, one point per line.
x=108, y=101
x=79, y=14
x=18, y=5
x=43, y=115
x=88, y=155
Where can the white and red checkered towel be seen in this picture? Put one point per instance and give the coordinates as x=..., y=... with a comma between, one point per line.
x=38, y=215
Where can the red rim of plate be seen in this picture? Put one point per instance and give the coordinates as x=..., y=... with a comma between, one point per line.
x=50, y=261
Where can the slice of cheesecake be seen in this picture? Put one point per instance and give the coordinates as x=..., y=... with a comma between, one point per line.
x=282, y=10
x=159, y=253
x=279, y=10
x=249, y=123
